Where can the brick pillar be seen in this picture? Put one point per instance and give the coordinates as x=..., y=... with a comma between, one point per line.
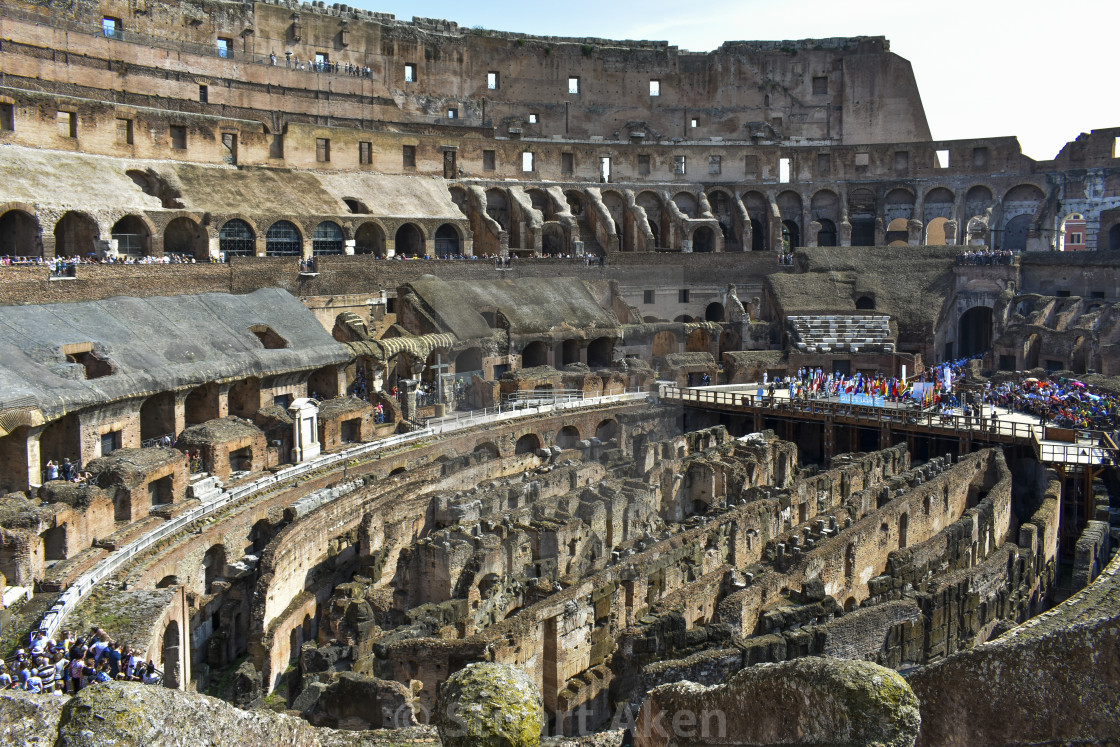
x=223, y=400
x=34, y=457
x=180, y=412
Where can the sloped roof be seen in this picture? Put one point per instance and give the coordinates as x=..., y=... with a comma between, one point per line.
x=81, y=181
x=394, y=196
x=529, y=305
x=153, y=345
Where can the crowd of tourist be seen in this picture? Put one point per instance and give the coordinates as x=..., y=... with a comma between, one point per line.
x=67, y=266
x=67, y=665
x=1066, y=403
x=293, y=62
x=986, y=257
x=785, y=259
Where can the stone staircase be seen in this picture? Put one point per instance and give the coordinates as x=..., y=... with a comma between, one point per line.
x=591, y=243
x=841, y=333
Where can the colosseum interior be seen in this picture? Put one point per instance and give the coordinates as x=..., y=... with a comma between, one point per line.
x=377, y=348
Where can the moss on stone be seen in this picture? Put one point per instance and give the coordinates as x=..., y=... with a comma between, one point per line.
x=489, y=705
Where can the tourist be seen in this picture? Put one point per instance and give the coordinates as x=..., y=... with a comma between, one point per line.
x=150, y=675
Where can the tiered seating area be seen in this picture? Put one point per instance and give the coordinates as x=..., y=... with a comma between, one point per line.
x=841, y=333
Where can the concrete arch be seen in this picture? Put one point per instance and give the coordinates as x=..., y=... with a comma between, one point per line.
x=487, y=450
x=534, y=354
x=935, y=232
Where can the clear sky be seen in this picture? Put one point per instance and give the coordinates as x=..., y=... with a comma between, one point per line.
x=1043, y=71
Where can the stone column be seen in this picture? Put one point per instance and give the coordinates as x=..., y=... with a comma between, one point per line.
x=223, y=400
x=407, y=387
x=34, y=457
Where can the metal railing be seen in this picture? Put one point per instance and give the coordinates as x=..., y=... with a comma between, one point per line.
x=900, y=415
x=76, y=592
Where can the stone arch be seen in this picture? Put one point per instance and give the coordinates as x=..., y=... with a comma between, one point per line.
x=157, y=416
x=534, y=354
x=897, y=232
x=356, y=206
x=133, y=234
x=974, y=331
x=553, y=239
x=370, y=239
x=529, y=443
x=486, y=450
x=327, y=238
x=540, y=201
x=75, y=234
x=729, y=339
x=606, y=430
x=409, y=240
x=567, y=437
x=575, y=202
x=213, y=567
x=448, y=241
x=790, y=206
x=977, y=200
x=938, y=203
x=1015, y=233
x=758, y=210
x=20, y=233
x=469, y=360
x=865, y=303
x=703, y=239
x=600, y=352
x=237, y=238
x=656, y=217
x=899, y=203
x=569, y=352
x=827, y=235
x=862, y=212
x=171, y=655
x=935, y=231
x=187, y=236
x=1114, y=238
x=201, y=404
x=686, y=203
x=497, y=207
x=283, y=239
x=791, y=235
x=721, y=201
x=714, y=312
x=824, y=208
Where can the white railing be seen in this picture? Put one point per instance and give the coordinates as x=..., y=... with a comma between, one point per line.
x=76, y=592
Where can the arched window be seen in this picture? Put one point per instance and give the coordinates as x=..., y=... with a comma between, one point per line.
x=236, y=239
x=326, y=239
x=283, y=240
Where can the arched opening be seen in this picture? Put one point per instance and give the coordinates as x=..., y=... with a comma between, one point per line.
x=283, y=239
x=903, y=530
x=703, y=240
x=686, y=203
x=326, y=238
x=569, y=352
x=1015, y=233
x=720, y=204
x=827, y=235
x=861, y=214
x=201, y=404
x=447, y=241
x=600, y=352
x=245, y=397
x=409, y=241
x=75, y=235
x=19, y=235
x=236, y=239
x=213, y=568
x=757, y=206
x=468, y=360
x=606, y=430
x=729, y=339
x=356, y=206
x=260, y=535
x=486, y=451
x=974, y=332
x=534, y=354
x=184, y=236
x=323, y=383
x=132, y=236
x=1114, y=238
x=369, y=239
x=664, y=343
x=655, y=217
x=714, y=312
x=530, y=443
x=575, y=203
x=865, y=303
x=170, y=655
x=698, y=341
x=935, y=232
x=897, y=232
x=791, y=235
x=850, y=605
x=157, y=416
x=567, y=437
x=552, y=239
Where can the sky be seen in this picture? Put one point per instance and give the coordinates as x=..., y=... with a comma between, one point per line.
x=1043, y=71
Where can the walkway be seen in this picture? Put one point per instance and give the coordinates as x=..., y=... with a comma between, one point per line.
x=76, y=592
